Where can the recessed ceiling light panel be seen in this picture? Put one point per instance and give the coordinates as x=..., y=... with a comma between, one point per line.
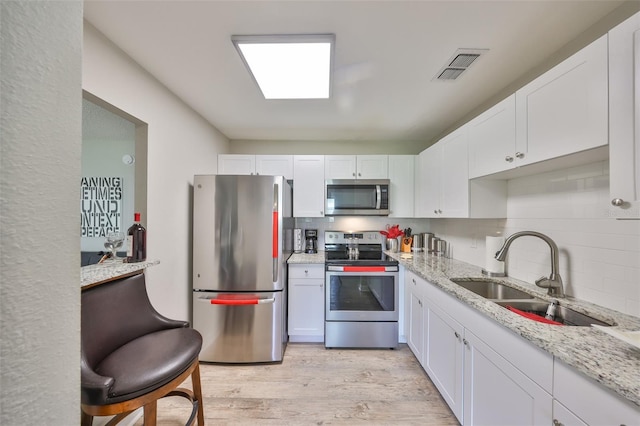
x=289, y=66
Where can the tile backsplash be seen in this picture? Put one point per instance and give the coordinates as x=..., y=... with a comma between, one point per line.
x=599, y=256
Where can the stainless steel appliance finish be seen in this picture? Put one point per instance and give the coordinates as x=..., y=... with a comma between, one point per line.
x=362, y=292
x=242, y=227
x=344, y=197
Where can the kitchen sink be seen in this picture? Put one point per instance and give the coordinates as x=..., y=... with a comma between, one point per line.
x=563, y=314
x=490, y=289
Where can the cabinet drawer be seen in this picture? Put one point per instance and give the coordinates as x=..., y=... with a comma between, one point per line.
x=306, y=271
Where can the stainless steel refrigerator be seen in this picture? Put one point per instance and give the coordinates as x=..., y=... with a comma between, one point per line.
x=242, y=238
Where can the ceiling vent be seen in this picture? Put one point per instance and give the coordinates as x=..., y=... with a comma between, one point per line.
x=459, y=63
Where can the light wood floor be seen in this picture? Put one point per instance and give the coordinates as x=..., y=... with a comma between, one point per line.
x=317, y=386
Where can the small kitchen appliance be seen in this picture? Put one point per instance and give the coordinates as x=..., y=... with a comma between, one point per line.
x=361, y=291
x=357, y=197
x=311, y=241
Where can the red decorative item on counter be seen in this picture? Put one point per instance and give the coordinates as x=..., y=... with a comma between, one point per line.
x=392, y=232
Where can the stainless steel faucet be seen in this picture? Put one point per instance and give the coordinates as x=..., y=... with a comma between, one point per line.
x=553, y=284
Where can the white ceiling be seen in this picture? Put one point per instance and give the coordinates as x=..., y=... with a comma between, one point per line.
x=387, y=54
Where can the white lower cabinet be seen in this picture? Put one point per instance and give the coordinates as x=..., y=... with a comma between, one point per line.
x=485, y=373
x=444, y=357
x=488, y=375
x=562, y=416
x=496, y=392
x=414, y=314
x=306, y=303
x=579, y=397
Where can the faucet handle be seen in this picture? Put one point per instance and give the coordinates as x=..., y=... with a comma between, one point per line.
x=543, y=282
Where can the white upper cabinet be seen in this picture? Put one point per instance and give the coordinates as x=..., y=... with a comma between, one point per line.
x=236, y=164
x=428, y=185
x=308, y=185
x=444, y=189
x=624, y=118
x=565, y=110
x=401, y=191
x=492, y=139
x=372, y=167
x=356, y=167
x=454, y=175
x=275, y=165
x=268, y=165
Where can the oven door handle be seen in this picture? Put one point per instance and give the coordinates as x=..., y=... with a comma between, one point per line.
x=347, y=268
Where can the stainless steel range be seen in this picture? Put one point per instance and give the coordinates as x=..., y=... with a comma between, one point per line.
x=362, y=291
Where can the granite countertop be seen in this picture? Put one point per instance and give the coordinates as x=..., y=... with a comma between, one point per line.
x=307, y=258
x=609, y=361
x=99, y=273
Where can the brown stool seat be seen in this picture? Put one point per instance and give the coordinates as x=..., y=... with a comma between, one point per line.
x=132, y=355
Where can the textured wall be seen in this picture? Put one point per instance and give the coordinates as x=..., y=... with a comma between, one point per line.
x=41, y=47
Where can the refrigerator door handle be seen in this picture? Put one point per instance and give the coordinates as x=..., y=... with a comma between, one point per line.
x=255, y=301
x=274, y=242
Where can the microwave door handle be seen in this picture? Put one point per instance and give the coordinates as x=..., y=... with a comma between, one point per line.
x=378, y=197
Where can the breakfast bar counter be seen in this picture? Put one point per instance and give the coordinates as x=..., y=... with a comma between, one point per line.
x=100, y=273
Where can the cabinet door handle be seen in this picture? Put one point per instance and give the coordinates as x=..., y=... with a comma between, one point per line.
x=617, y=202
x=353, y=174
x=519, y=154
x=455, y=333
x=435, y=211
x=466, y=342
x=508, y=159
x=557, y=423
x=360, y=174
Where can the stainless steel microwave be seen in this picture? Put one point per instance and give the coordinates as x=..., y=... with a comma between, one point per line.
x=351, y=197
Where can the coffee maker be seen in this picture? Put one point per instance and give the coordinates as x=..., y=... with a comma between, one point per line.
x=311, y=241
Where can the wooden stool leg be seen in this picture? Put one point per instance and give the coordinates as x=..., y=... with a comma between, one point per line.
x=150, y=413
x=85, y=419
x=197, y=391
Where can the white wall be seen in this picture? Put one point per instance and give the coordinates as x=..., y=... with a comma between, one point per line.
x=41, y=48
x=180, y=144
x=599, y=256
